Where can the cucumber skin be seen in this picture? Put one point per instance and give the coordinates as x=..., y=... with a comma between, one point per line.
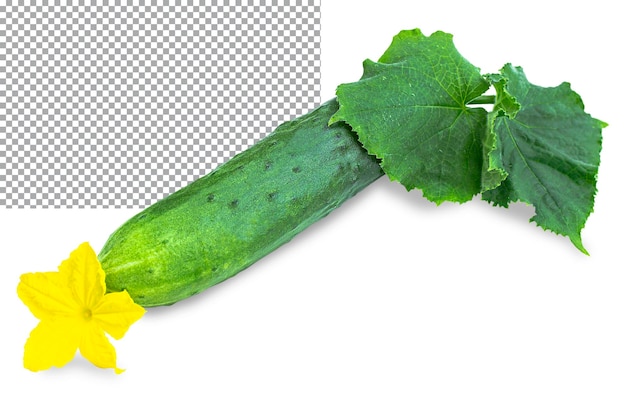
x=223, y=222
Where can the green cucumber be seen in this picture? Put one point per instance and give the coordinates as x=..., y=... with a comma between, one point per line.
x=225, y=221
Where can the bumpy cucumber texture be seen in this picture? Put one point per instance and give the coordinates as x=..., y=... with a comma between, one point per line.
x=222, y=223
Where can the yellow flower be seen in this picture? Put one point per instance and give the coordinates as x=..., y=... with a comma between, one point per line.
x=74, y=313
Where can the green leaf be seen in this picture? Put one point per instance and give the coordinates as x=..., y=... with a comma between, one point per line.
x=550, y=149
x=493, y=173
x=410, y=109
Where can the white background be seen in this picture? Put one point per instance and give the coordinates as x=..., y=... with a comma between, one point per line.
x=390, y=306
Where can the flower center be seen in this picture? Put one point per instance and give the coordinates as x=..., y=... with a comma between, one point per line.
x=87, y=314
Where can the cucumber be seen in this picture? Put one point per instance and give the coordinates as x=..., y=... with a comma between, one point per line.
x=223, y=222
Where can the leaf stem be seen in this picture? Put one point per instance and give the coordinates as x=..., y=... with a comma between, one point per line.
x=486, y=99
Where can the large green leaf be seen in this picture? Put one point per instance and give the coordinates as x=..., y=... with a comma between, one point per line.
x=410, y=109
x=550, y=149
x=414, y=110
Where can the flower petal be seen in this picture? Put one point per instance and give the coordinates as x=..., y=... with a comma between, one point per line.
x=96, y=348
x=47, y=294
x=85, y=275
x=116, y=312
x=51, y=343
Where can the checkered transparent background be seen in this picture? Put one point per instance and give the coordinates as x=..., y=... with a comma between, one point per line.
x=109, y=105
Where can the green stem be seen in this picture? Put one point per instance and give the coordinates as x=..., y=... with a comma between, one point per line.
x=486, y=99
